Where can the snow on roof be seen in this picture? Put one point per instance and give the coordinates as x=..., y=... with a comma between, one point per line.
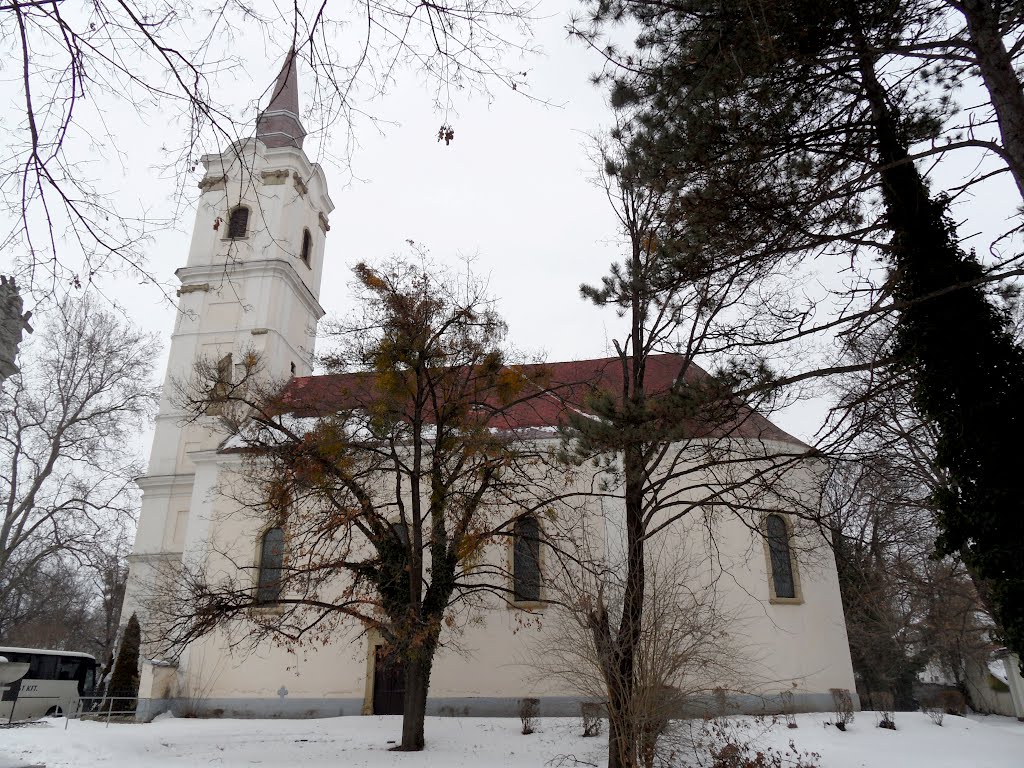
x=998, y=671
x=552, y=392
x=45, y=652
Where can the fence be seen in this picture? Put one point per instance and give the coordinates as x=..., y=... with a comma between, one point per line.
x=119, y=708
x=85, y=708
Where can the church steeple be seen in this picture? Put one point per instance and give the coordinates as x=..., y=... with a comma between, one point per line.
x=249, y=287
x=278, y=125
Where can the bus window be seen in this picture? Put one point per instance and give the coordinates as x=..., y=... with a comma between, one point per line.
x=43, y=667
x=68, y=668
x=87, y=682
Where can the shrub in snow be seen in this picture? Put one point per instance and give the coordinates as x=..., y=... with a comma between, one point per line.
x=528, y=710
x=788, y=708
x=590, y=713
x=953, y=702
x=934, y=707
x=842, y=707
x=652, y=711
x=729, y=744
x=883, y=703
x=745, y=756
x=657, y=705
x=948, y=702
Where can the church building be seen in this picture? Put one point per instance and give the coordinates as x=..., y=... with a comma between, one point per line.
x=251, y=284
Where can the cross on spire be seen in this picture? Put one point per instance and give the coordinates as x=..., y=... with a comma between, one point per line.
x=278, y=125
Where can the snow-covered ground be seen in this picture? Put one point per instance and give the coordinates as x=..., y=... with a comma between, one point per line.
x=978, y=742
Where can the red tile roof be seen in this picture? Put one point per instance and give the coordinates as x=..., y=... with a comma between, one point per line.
x=557, y=389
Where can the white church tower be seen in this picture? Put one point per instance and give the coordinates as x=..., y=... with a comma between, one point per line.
x=251, y=284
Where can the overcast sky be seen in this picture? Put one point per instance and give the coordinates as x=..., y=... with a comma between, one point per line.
x=512, y=190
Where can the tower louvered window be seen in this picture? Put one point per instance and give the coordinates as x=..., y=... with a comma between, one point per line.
x=238, y=223
x=307, y=247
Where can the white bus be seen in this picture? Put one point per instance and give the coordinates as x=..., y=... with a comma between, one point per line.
x=52, y=686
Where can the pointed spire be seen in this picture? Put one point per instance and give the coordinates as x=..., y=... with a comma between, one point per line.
x=278, y=125
x=286, y=90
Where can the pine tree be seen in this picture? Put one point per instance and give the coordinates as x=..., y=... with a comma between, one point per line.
x=673, y=442
x=790, y=130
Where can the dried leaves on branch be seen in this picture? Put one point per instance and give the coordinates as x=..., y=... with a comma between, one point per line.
x=397, y=480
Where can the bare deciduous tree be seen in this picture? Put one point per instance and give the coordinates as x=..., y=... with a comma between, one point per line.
x=72, y=602
x=689, y=645
x=66, y=424
x=81, y=76
x=108, y=569
x=904, y=608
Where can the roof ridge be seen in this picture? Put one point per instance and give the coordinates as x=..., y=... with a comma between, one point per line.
x=553, y=398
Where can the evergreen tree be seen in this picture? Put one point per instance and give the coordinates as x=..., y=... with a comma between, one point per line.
x=672, y=449
x=790, y=125
x=124, y=681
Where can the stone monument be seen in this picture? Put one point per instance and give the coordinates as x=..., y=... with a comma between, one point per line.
x=13, y=324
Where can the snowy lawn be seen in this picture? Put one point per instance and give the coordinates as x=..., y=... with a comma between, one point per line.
x=978, y=742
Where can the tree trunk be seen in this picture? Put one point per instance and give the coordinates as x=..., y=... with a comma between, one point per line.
x=417, y=684
x=1001, y=81
x=621, y=733
x=621, y=674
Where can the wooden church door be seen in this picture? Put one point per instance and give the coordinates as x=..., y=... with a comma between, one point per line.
x=388, y=683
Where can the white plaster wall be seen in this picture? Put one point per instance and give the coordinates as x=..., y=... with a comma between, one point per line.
x=237, y=296
x=1011, y=664
x=279, y=211
x=801, y=647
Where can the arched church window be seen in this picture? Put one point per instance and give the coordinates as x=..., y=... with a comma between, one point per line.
x=268, y=587
x=780, y=557
x=526, y=560
x=307, y=247
x=238, y=223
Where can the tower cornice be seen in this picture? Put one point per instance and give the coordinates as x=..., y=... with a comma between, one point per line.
x=257, y=157
x=217, y=274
